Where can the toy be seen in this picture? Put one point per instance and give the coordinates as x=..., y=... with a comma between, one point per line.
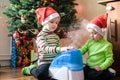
x=67, y=65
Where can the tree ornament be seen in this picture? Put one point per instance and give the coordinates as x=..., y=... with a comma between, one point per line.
x=23, y=19
x=25, y=33
x=19, y=62
x=34, y=31
x=30, y=47
x=45, y=1
x=17, y=42
x=26, y=61
x=23, y=38
x=52, y=0
x=21, y=31
x=16, y=35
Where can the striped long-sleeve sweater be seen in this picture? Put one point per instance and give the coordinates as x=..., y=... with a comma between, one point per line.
x=48, y=46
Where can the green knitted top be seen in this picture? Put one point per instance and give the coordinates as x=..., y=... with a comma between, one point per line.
x=99, y=53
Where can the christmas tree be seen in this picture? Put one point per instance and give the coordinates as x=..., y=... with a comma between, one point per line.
x=22, y=16
x=23, y=25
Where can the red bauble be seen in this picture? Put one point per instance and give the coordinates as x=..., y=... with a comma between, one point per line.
x=19, y=62
x=25, y=33
x=23, y=19
x=52, y=0
x=16, y=35
x=17, y=42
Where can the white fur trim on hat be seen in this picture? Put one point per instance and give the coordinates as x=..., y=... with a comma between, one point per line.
x=96, y=28
x=50, y=17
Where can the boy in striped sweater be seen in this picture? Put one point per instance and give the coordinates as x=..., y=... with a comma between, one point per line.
x=47, y=43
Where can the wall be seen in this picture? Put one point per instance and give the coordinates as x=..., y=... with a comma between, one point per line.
x=4, y=39
x=89, y=9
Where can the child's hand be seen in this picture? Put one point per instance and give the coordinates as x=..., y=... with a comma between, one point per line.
x=97, y=68
x=71, y=47
x=67, y=48
x=64, y=49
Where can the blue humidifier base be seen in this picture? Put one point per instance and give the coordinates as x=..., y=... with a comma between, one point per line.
x=67, y=65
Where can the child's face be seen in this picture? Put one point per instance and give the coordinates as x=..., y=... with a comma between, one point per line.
x=94, y=35
x=52, y=24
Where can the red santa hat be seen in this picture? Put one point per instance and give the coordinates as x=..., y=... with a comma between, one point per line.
x=99, y=24
x=46, y=14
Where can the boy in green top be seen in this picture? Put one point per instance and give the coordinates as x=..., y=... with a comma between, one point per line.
x=47, y=43
x=100, y=55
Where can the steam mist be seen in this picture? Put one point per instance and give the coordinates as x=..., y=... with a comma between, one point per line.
x=78, y=34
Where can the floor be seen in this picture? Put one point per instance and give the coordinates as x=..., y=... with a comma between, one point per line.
x=7, y=73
